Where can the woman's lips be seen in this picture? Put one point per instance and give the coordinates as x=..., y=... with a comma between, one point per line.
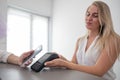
x=89, y=23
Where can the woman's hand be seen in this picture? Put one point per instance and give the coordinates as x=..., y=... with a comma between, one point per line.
x=61, y=57
x=59, y=62
x=23, y=56
x=56, y=63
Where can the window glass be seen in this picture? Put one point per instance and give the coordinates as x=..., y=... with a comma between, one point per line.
x=26, y=31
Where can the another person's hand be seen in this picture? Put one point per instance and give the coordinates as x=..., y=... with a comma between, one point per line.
x=23, y=56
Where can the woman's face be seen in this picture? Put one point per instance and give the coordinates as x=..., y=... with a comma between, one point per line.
x=92, y=21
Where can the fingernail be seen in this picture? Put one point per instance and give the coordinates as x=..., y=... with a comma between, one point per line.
x=45, y=64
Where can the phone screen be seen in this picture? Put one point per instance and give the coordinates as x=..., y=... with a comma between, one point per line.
x=36, y=51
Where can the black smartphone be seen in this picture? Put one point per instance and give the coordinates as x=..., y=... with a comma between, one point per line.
x=39, y=64
x=36, y=51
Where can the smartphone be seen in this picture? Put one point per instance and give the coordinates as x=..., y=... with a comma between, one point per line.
x=36, y=51
x=39, y=65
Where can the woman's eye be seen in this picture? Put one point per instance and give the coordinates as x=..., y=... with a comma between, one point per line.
x=95, y=15
x=87, y=14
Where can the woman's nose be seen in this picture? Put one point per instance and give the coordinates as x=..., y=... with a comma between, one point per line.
x=89, y=18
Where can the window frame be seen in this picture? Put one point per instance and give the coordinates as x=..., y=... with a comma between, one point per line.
x=49, y=33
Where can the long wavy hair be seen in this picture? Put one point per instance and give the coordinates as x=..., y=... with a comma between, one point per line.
x=108, y=39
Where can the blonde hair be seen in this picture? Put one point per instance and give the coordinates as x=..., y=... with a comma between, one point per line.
x=108, y=39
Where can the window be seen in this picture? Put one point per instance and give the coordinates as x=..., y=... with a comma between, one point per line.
x=26, y=31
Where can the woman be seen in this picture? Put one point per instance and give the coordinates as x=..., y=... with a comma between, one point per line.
x=7, y=57
x=97, y=51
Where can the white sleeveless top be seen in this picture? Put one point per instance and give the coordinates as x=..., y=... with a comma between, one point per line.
x=90, y=56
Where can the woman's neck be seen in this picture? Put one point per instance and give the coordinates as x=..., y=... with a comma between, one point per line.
x=92, y=34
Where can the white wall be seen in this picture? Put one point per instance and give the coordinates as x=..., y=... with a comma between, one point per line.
x=3, y=19
x=68, y=24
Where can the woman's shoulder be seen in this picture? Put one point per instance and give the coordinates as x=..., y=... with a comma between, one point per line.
x=80, y=39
